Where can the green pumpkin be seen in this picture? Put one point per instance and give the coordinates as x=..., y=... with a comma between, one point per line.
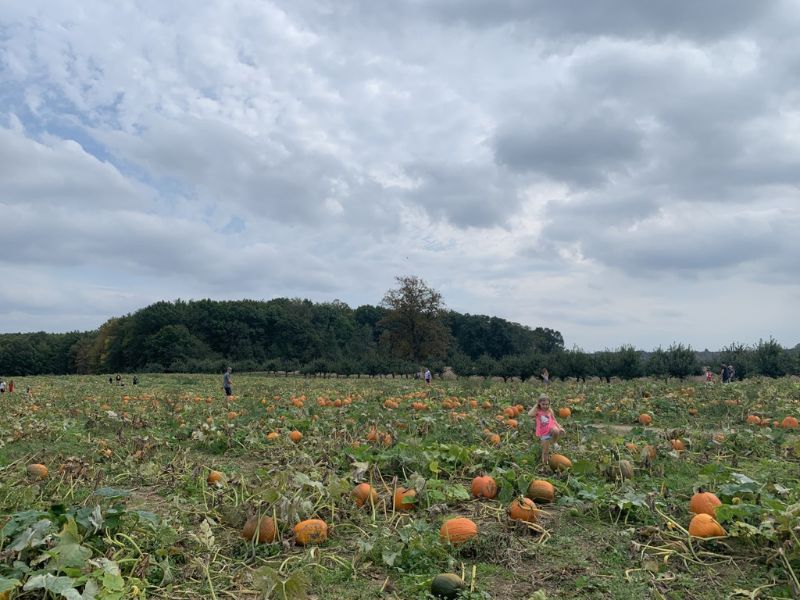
x=447, y=585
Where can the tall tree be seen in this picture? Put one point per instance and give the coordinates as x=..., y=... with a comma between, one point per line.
x=413, y=328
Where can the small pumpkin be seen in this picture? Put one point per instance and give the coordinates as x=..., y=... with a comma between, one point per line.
x=541, y=490
x=447, y=586
x=523, y=509
x=401, y=499
x=494, y=439
x=789, y=423
x=753, y=420
x=645, y=419
x=260, y=529
x=704, y=503
x=705, y=526
x=311, y=531
x=295, y=436
x=273, y=435
x=484, y=486
x=677, y=445
x=458, y=530
x=215, y=477
x=364, y=493
x=37, y=471
x=559, y=462
x=564, y=412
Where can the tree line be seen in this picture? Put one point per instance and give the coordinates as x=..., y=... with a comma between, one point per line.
x=409, y=329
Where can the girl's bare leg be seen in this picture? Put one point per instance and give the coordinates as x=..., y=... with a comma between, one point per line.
x=545, y=451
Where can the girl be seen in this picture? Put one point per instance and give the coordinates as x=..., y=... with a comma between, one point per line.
x=547, y=428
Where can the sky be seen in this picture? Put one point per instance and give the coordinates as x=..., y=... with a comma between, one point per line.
x=625, y=171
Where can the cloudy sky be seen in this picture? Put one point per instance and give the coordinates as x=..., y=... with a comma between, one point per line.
x=624, y=171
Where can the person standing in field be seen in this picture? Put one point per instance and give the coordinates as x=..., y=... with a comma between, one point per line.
x=725, y=374
x=546, y=376
x=427, y=376
x=731, y=373
x=226, y=383
x=547, y=428
x=709, y=375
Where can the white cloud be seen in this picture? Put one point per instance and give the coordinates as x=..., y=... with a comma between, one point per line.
x=623, y=180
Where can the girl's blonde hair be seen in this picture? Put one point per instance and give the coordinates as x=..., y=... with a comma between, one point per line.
x=542, y=397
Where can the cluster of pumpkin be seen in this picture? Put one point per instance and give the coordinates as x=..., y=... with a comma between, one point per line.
x=787, y=423
x=457, y=530
x=703, y=524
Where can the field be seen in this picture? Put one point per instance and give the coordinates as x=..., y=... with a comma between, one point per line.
x=129, y=507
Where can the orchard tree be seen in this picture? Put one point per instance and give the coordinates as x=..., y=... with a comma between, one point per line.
x=412, y=327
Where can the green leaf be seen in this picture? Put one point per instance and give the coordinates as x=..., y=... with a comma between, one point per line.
x=8, y=584
x=64, y=586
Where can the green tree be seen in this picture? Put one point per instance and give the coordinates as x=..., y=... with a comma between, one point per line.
x=412, y=328
x=681, y=361
x=771, y=359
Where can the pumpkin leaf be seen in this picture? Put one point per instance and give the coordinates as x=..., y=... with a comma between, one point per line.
x=63, y=586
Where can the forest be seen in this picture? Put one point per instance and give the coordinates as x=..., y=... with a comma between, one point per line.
x=398, y=337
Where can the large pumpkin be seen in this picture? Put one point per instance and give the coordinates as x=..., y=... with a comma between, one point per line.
x=364, y=493
x=540, y=490
x=789, y=423
x=311, y=531
x=484, y=486
x=295, y=436
x=704, y=503
x=645, y=419
x=559, y=462
x=705, y=526
x=265, y=527
x=403, y=499
x=523, y=509
x=447, y=586
x=458, y=530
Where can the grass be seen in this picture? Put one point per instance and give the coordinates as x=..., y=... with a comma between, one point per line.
x=127, y=489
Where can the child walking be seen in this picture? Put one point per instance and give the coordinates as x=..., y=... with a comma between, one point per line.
x=547, y=428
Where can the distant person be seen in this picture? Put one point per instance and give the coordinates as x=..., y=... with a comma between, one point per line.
x=135, y=380
x=547, y=428
x=428, y=376
x=119, y=379
x=226, y=383
x=111, y=380
x=11, y=387
x=2, y=387
x=709, y=376
x=731, y=373
x=725, y=374
x=546, y=376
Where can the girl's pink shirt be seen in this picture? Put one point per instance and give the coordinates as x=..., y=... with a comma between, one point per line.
x=544, y=428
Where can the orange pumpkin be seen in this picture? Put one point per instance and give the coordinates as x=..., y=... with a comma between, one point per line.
x=704, y=503
x=645, y=419
x=265, y=526
x=484, y=487
x=705, y=526
x=401, y=499
x=364, y=493
x=295, y=436
x=273, y=435
x=215, y=476
x=523, y=509
x=37, y=471
x=541, y=490
x=692, y=411
x=513, y=423
x=631, y=447
x=494, y=439
x=458, y=530
x=789, y=423
x=753, y=419
x=564, y=412
x=677, y=445
x=311, y=531
x=559, y=462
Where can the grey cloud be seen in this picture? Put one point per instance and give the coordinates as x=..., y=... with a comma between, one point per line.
x=627, y=18
x=579, y=150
